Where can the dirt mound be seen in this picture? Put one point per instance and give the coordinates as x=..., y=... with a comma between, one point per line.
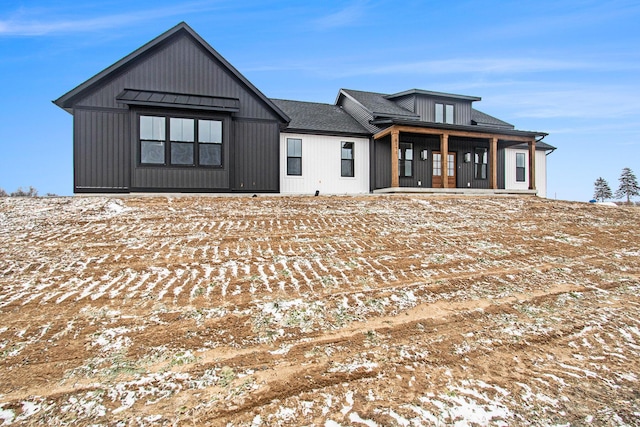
x=325, y=311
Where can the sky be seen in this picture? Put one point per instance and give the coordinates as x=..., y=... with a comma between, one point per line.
x=568, y=68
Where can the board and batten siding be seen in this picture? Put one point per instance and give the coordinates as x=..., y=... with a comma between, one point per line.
x=321, y=166
x=179, y=65
x=510, y=170
x=101, y=151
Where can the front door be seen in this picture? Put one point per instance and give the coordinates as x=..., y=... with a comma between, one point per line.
x=436, y=179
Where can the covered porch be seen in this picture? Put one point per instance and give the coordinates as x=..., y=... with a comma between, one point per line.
x=425, y=157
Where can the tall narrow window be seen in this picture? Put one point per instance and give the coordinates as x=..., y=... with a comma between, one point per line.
x=444, y=113
x=346, y=161
x=405, y=159
x=448, y=117
x=152, y=140
x=520, y=168
x=210, y=142
x=437, y=164
x=480, y=162
x=294, y=156
x=182, y=136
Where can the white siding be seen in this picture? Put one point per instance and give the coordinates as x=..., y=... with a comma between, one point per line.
x=321, y=157
x=510, y=182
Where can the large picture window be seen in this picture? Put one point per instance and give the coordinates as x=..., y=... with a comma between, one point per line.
x=520, y=168
x=294, y=156
x=405, y=159
x=481, y=163
x=180, y=141
x=346, y=165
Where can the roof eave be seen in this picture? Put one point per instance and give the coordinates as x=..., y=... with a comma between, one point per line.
x=467, y=128
x=65, y=101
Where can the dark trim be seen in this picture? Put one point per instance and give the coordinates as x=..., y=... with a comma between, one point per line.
x=102, y=109
x=89, y=190
x=466, y=128
x=188, y=101
x=327, y=133
x=195, y=190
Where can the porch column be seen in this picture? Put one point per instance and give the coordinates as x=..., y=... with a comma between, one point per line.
x=493, y=155
x=395, y=146
x=532, y=165
x=444, y=155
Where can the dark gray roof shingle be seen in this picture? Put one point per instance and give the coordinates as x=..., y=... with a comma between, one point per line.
x=380, y=106
x=317, y=117
x=483, y=119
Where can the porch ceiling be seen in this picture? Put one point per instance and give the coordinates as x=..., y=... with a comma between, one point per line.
x=462, y=131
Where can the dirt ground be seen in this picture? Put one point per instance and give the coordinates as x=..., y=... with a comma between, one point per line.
x=318, y=311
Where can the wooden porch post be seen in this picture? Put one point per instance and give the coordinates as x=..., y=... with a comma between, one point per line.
x=493, y=155
x=444, y=156
x=532, y=165
x=395, y=145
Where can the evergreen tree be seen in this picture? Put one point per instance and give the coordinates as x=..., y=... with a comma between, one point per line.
x=628, y=185
x=602, y=190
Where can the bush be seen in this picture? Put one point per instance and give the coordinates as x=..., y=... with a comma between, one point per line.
x=32, y=192
x=3, y=193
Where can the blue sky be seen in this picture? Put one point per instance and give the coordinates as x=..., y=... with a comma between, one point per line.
x=569, y=68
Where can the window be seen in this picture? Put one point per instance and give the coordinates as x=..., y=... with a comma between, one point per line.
x=152, y=139
x=210, y=142
x=437, y=164
x=182, y=141
x=405, y=159
x=480, y=163
x=520, y=168
x=346, y=159
x=190, y=141
x=444, y=113
x=294, y=156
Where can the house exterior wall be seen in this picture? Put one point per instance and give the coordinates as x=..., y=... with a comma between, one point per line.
x=424, y=106
x=101, y=154
x=510, y=171
x=106, y=143
x=256, y=156
x=321, y=166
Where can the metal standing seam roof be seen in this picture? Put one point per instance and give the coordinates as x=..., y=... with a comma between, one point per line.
x=169, y=99
x=318, y=117
x=379, y=105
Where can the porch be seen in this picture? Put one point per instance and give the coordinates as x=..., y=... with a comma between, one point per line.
x=437, y=158
x=455, y=191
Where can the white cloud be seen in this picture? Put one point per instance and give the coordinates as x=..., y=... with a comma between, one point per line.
x=347, y=16
x=40, y=22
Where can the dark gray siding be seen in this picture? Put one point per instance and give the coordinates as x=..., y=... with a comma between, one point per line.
x=256, y=153
x=408, y=102
x=501, y=167
x=383, y=162
x=101, y=153
x=180, y=65
x=425, y=107
x=466, y=173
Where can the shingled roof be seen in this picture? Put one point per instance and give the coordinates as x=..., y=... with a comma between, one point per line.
x=482, y=119
x=378, y=105
x=320, y=118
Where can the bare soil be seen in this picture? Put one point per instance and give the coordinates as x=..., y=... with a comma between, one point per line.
x=319, y=311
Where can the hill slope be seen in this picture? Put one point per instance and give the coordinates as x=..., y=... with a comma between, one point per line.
x=320, y=311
